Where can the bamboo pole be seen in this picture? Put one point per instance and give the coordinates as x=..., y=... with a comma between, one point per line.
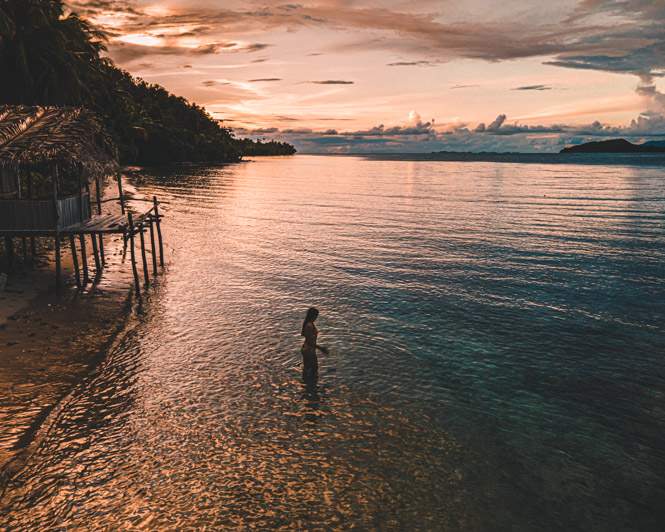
x=89, y=195
x=159, y=231
x=9, y=249
x=98, y=195
x=80, y=200
x=95, y=251
x=132, y=252
x=146, y=277
x=58, y=265
x=33, y=244
x=84, y=259
x=75, y=259
x=24, y=241
x=152, y=246
x=122, y=198
x=101, y=248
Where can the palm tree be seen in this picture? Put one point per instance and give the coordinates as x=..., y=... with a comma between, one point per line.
x=47, y=56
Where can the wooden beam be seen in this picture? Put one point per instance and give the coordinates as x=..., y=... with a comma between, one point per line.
x=121, y=197
x=33, y=244
x=9, y=250
x=75, y=259
x=80, y=200
x=58, y=267
x=84, y=259
x=98, y=194
x=146, y=278
x=159, y=230
x=101, y=248
x=132, y=252
x=95, y=251
x=152, y=247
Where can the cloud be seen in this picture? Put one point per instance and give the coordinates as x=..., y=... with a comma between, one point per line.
x=413, y=63
x=125, y=52
x=257, y=80
x=332, y=82
x=496, y=125
x=499, y=136
x=465, y=86
x=613, y=35
x=533, y=88
x=214, y=83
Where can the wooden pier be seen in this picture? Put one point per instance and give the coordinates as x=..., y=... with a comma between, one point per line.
x=64, y=150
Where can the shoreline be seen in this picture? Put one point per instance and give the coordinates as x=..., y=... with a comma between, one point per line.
x=48, y=347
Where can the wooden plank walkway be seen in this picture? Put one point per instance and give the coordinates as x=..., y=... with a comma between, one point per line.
x=106, y=223
x=96, y=227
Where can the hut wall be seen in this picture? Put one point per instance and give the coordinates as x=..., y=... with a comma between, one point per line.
x=7, y=183
x=22, y=215
x=40, y=215
x=70, y=212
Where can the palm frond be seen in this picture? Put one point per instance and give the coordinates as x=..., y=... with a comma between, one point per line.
x=67, y=136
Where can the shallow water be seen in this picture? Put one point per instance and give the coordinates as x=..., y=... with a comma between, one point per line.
x=497, y=356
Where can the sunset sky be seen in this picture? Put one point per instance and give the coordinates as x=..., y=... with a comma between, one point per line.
x=345, y=76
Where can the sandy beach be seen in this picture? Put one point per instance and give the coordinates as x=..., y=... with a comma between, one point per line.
x=48, y=345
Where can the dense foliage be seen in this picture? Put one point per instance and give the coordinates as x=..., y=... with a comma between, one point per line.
x=50, y=57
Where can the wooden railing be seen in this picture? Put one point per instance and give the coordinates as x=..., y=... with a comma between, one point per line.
x=73, y=210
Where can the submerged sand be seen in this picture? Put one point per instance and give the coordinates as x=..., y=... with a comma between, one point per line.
x=48, y=345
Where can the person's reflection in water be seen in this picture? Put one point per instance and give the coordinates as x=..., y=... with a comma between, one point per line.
x=310, y=363
x=312, y=398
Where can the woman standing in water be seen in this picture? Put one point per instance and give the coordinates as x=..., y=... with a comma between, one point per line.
x=310, y=332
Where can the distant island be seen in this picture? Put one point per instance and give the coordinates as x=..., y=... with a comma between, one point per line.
x=50, y=56
x=617, y=146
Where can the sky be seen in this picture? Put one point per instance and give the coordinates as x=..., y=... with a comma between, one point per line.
x=345, y=76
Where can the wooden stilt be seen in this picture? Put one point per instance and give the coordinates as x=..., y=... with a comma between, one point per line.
x=24, y=247
x=101, y=249
x=75, y=260
x=33, y=244
x=132, y=252
x=95, y=251
x=98, y=194
x=122, y=198
x=152, y=247
x=9, y=250
x=159, y=231
x=146, y=277
x=56, y=205
x=84, y=260
x=58, y=266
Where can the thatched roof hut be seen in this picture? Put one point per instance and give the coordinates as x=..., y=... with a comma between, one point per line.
x=48, y=158
x=43, y=139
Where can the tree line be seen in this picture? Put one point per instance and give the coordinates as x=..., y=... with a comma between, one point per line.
x=52, y=57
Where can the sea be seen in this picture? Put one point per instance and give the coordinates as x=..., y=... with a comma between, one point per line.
x=496, y=338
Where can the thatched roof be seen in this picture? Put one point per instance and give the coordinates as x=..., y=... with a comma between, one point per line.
x=71, y=138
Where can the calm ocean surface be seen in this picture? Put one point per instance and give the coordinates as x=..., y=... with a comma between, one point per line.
x=497, y=336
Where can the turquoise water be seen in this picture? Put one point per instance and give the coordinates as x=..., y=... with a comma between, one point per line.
x=497, y=336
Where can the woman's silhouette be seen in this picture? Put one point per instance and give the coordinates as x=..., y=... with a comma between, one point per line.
x=310, y=368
